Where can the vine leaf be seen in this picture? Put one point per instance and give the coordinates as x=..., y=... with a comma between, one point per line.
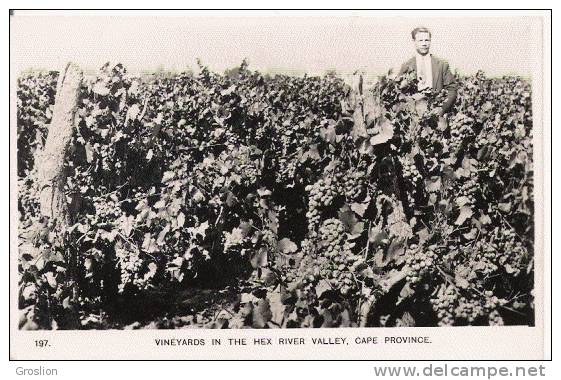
x=149, y=243
x=393, y=277
x=396, y=248
x=263, y=192
x=285, y=245
x=377, y=236
x=505, y=207
x=51, y=279
x=406, y=320
x=484, y=219
x=233, y=238
x=433, y=184
x=406, y=292
x=89, y=152
x=199, y=231
x=126, y=224
x=385, y=133
x=273, y=221
x=461, y=282
x=465, y=213
x=347, y=216
x=359, y=208
x=100, y=89
x=152, y=268
x=259, y=259
x=180, y=220
x=277, y=307
x=261, y=314
x=168, y=176
x=461, y=201
x=133, y=112
x=162, y=235
x=328, y=134
x=322, y=287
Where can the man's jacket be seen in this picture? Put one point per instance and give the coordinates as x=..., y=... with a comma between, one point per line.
x=442, y=78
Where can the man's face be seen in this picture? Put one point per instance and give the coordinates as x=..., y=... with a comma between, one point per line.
x=422, y=43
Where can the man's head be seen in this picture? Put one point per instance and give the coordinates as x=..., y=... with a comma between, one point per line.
x=421, y=37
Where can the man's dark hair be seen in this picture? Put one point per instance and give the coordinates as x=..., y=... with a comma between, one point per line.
x=420, y=29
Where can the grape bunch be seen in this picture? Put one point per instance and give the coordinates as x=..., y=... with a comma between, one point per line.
x=106, y=209
x=130, y=264
x=346, y=258
x=338, y=258
x=485, y=253
x=420, y=263
x=28, y=202
x=353, y=183
x=343, y=280
x=288, y=272
x=339, y=276
x=492, y=301
x=232, y=140
x=332, y=233
x=470, y=188
x=495, y=319
x=510, y=250
x=482, y=139
x=287, y=171
x=249, y=174
x=458, y=135
x=261, y=132
x=444, y=304
x=268, y=237
x=287, y=133
x=412, y=176
x=321, y=195
x=468, y=310
x=311, y=275
x=79, y=182
x=461, y=128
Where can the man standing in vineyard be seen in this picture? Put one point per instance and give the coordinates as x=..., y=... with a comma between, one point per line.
x=431, y=72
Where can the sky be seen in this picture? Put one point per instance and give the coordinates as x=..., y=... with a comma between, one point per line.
x=287, y=44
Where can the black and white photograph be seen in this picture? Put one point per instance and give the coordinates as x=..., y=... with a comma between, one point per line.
x=276, y=172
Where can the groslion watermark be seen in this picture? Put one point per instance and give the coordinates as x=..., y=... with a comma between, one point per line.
x=37, y=371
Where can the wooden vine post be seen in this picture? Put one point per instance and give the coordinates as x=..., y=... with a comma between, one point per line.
x=50, y=161
x=357, y=97
x=367, y=110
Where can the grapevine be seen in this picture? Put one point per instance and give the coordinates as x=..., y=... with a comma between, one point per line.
x=296, y=195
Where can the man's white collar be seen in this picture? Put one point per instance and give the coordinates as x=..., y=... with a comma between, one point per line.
x=423, y=57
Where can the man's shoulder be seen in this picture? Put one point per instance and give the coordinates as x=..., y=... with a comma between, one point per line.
x=408, y=65
x=439, y=60
x=411, y=61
